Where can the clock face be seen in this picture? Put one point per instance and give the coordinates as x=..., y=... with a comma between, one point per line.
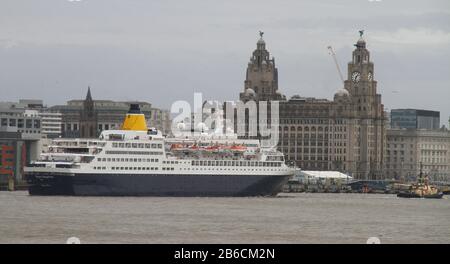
x=370, y=76
x=356, y=76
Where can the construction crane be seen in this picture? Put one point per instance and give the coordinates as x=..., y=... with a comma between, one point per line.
x=333, y=54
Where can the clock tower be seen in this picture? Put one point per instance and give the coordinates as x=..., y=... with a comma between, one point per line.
x=360, y=82
x=368, y=112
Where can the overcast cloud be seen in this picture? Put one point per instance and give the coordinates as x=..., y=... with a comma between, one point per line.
x=161, y=51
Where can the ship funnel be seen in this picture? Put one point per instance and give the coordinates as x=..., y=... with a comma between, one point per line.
x=135, y=119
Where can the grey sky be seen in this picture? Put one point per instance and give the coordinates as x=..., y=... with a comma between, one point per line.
x=162, y=51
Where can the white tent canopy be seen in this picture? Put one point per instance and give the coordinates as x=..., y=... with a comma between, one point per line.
x=322, y=175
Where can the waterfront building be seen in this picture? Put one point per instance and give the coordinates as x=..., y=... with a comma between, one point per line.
x=51, y=122
x=30, y=117
x=407, y=148
x=20, y=132
x=346, y=134
x=415, y=119
x=161, y=120
x=87, y=118
x=27, y=122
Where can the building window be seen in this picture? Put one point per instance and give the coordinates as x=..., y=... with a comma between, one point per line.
x=20, y=123
x=37, y=123
x=29, y=123
x=12, y=122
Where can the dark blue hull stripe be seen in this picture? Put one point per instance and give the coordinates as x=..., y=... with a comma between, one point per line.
x=154, y=185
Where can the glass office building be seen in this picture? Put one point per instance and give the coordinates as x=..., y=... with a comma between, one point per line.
x=415, y=119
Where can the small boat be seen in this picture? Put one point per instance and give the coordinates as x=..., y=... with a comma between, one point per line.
x=446, y=190
x=414, y=195
x=421, y=189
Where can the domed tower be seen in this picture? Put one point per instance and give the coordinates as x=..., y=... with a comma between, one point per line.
x=261, y=76
x=360, y=81
x=342, y=96
x=368, y=112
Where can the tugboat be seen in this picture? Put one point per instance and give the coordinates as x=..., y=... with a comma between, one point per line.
x=421, y=189
x=446, y=190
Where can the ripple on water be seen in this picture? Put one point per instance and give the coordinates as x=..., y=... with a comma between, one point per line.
x=287, y=218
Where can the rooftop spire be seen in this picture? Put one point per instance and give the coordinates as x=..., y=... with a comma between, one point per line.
x=88, y=96
x=261, y=44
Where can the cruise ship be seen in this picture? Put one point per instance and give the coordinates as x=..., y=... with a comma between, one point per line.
x=138, y=161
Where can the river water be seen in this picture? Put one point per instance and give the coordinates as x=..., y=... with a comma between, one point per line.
x=287, y=218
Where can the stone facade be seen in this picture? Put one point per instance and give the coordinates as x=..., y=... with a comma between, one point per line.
x=407, y=148
x=261, y=82
x=346, y=134
x=88, y=118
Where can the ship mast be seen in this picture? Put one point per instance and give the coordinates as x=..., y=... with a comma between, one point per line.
x=421, y=173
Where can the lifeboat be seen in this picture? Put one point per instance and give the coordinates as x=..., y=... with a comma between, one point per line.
x=176, y=147
x=238, y=148
x=194, y=147
x=212, y=148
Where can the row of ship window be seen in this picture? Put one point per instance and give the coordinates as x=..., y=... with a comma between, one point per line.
x=235, y=163
x=167, y=169
x=136, y=145
x=170, y=162
x=132, y=168
x=234, y=169
x=122, y=152
x=126, y=160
